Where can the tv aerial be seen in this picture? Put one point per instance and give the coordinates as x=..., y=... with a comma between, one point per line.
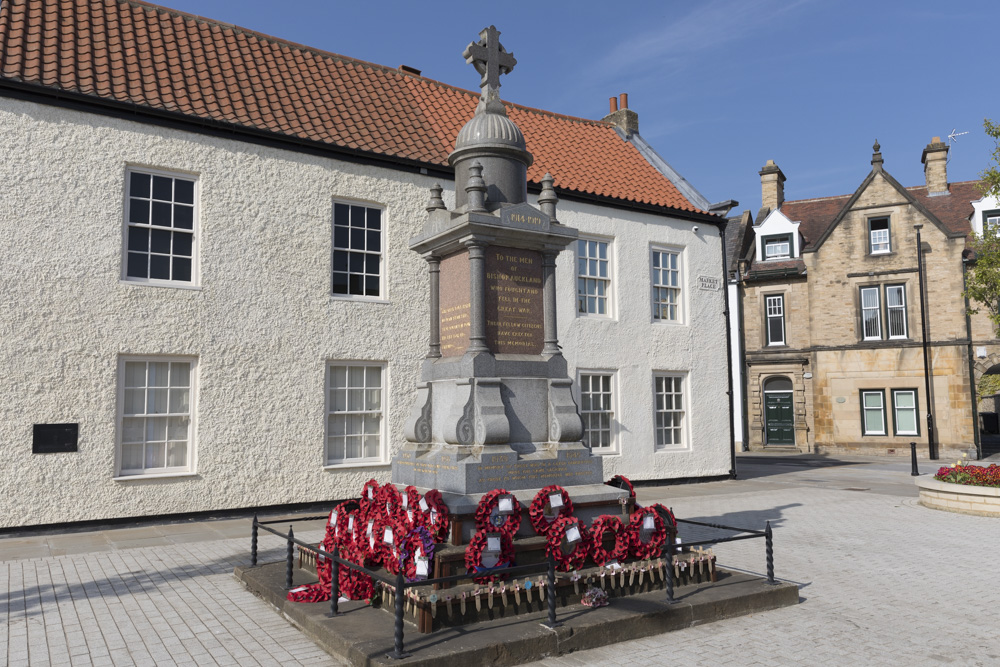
x=952, y=139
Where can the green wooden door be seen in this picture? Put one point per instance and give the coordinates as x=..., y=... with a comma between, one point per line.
x=779, y=418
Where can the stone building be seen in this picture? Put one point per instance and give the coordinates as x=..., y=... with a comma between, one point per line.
x=833, y=315
x=209, y=300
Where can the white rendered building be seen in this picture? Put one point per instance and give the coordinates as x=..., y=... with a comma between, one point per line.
x=208, y=298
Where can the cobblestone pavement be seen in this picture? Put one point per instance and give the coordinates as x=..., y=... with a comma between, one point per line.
x=883, y=581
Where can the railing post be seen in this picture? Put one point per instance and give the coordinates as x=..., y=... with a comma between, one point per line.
x=335, y=582
x=253, y=542
x=913, y=460
x=289, y=553
x=769, y=548
x=669, y=581
x=551, y=590
x=397, y=653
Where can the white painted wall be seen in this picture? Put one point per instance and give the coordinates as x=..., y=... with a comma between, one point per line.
x=984, y=204
x=735, y=336
x=263, y=325
x=774, y=224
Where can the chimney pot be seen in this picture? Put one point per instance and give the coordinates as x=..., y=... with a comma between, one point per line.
x=935, y=160
x=613, y=104
x=624, y=100
x=772, y=186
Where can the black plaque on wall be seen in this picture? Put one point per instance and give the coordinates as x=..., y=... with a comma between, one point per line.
x=53, y=438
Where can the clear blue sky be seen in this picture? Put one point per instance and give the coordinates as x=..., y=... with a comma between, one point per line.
x=720, y=86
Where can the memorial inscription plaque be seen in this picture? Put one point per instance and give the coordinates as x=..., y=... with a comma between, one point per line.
x=455, y=306
x=514, y=307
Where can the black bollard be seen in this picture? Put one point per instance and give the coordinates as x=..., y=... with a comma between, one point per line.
x=769, y=551
x=289, y=553
x=335, y=582
x=253, y=542
x=913, y=460
x=397, y=653
x=551, y=589
x=670, y=570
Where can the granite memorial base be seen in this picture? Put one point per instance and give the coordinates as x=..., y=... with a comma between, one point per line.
x=363, y=635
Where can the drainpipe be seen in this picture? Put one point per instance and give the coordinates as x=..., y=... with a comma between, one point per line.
x=931, y=443
x=729, y=350
x=972, y=366
x=743, y=367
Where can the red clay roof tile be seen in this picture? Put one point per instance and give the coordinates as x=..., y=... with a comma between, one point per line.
x=130, y=51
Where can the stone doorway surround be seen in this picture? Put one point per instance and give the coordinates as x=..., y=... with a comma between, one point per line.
x=758, y=373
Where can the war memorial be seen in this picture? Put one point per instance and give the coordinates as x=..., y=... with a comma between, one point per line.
x=497, y=539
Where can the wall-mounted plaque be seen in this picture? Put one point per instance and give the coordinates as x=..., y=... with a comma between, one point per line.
x=55, y=438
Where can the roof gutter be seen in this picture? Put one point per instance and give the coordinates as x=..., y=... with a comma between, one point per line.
x=172, y=119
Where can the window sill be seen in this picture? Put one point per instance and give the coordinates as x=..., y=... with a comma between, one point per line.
x=776, y=345
x=356, y=464
x=358, y=299
x=604, y=452
x=158, y=475
x=150, y=283
x=668, y=323
x=672, y=450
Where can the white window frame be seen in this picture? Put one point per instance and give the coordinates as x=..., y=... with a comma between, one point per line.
x=777, y=241
x=330, y=410
x=876, y=309
x=591, y=277
x=875, y=247
x=890, y=308
x=896, y=409
x=585, y=412
x=335, y=265
x=195, y=281
x=656, y=285
x=772, y=313
x=191, y=414
x=684, y=412
x=880, y=408
x=991, y=222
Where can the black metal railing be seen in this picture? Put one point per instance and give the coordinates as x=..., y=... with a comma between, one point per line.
x=399, y=585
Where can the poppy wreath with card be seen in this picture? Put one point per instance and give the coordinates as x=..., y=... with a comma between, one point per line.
x=319, y=592
x=369, y=495
x=350, y=526
x=437, y=515
x=665, y=512
x=417, y=538
x=390, y=502
x=622, y=482
x=490, y=518
x=409, y=507
x=577, y=555
x=650, y=548
x=355, y=585
x=608, y=523
x=536, y=511
x=384, y=552
x=474, y=556
x=338, y=519
x=370, y=540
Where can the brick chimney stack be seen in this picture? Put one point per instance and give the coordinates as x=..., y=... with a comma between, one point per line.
x=621, y=116
x=935, y=159
x=772, y=186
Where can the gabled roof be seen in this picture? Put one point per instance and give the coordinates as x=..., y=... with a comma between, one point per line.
x=818, y=216
x=134, y=53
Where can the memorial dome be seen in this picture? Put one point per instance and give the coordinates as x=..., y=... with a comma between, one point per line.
x=490, y=129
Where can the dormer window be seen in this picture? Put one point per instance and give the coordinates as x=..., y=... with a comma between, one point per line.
x=777, y=247
x=991, y=222
x=878, y=236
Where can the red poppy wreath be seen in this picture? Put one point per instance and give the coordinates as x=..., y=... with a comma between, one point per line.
x=389, y=501
x=355, y=585
x=622, y=482
x=647, y=533
x=416, y=554
x=499, y=511
x=409, y=507
x=608, y=523
x=496, y=548
x=437, y=515
x=369, y=494
x=568, y=543
x=548, y=505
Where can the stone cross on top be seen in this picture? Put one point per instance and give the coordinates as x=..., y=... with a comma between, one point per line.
x=491, y=60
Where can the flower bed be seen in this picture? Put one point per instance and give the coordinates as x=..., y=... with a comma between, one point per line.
x=970, y=475
x=963, y=489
